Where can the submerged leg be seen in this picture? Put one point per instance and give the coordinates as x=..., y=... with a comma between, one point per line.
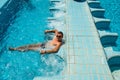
x=26, y=48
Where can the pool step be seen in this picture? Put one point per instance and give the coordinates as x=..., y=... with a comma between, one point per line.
x=99, y=13
x=94, y=4
x=114, y=63
x=108, y=38
x=114, y=60
x=111, y=53
x=101, y=23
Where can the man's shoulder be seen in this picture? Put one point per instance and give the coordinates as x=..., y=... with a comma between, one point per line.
x=60, y=43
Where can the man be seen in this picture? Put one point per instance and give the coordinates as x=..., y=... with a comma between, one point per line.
x=48, y=47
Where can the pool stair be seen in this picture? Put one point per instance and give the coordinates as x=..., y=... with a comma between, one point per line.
x=101, y=23
x=111, y=53
x=108, y=38
x=94, y=4
x=98, y=12
x=114, y=60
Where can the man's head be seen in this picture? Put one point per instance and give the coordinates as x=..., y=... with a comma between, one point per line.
x=59, y=35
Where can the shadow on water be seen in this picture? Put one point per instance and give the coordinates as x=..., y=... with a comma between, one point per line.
x=80, y=0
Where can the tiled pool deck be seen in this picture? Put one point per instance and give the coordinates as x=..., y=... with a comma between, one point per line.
x=85, y=55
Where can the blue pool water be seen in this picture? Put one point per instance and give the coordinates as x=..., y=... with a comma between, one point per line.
x=112, y=8
x=28, y=28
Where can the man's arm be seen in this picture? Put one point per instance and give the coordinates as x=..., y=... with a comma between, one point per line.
x=54, y=31
x=52, y=50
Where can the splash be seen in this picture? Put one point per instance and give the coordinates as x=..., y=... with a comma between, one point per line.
x=53, y=65
x=58, y=14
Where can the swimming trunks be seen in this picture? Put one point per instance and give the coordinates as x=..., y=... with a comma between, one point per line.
x=45, y=46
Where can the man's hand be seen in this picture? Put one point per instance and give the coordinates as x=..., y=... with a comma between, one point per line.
x=42, y=52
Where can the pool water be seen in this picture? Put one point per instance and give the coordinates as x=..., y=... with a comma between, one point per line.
x=112, y=8
x=28, y=28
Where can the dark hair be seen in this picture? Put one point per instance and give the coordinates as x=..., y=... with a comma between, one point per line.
x=60, y=32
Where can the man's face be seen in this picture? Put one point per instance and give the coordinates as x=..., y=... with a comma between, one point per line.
x=59, y=36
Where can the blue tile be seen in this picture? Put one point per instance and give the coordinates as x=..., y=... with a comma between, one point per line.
x=95, y=77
